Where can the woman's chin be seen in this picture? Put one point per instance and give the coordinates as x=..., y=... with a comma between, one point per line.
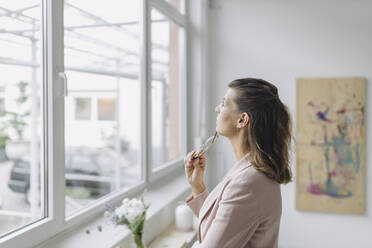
x=217, y=130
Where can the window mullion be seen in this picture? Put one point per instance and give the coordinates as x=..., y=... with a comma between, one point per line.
x=183, y=91
x=145, y=80
x=56, y=111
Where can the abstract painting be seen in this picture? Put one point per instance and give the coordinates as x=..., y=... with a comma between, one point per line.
x=330, y=145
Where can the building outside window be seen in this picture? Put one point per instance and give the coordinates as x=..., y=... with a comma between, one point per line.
x=83, y=109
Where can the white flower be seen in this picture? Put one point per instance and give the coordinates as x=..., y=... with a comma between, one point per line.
x=129, y=209
x=125, y=201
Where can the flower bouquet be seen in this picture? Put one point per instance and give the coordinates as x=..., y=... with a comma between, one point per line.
x=132, y=213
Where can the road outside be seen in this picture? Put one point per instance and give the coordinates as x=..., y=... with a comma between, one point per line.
x=11, y=201
x=14, y=209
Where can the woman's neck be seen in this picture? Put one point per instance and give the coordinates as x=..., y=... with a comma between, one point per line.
x=239, y=146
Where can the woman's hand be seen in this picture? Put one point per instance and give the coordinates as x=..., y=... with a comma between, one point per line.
x=194, y=169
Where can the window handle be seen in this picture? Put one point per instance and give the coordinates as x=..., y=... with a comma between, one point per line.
x=64, y=77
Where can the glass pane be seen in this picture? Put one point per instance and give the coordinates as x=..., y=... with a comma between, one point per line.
x=21, y=115
x=102, y=66
x=165, y=89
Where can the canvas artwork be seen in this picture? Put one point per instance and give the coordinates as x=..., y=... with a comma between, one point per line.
x=330, y=145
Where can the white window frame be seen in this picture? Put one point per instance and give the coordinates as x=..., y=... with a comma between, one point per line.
x=53, y=126
x=169, y=11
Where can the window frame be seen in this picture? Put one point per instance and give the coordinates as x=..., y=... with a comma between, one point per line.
x=169, y=11
x=53, y=141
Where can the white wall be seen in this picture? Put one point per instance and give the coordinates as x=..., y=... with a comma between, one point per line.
x=280, y=40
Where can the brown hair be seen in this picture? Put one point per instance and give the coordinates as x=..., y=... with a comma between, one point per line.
x=269, y=127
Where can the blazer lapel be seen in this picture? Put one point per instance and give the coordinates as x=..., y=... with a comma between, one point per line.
x=208, y=203
x=212, y=197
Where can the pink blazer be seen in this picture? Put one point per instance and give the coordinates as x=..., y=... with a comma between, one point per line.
x=242, y=211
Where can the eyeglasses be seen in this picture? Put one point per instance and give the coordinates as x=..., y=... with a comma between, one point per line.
x=207, y=144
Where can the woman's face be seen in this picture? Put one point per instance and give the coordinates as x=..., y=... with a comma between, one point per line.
x=227, y=115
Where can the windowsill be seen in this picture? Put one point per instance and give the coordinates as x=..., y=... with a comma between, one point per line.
x=173, y=238
x=163, y=196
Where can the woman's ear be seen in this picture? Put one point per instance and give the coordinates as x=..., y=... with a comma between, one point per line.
x=243, y=120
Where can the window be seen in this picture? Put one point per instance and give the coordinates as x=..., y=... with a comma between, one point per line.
x=22, y=117
x=101, y=57
x=165, y=85
x=91, y=107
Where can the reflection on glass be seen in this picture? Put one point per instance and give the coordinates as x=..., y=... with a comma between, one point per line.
x=102, y=109
x=21, y=115
x=165, y=89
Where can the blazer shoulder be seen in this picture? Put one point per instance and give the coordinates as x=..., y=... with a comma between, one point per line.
x=250, y=190
x=251, y=176
x=254, y=182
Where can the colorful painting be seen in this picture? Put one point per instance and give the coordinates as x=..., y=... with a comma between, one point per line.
x=330, y=145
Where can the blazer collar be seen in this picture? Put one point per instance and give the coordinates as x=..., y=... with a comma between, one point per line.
x=239, y=165
x=208, y=203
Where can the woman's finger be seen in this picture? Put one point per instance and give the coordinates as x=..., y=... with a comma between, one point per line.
x=196, y=154
x=197, y=161
x=187, y=158
x=188, y=165
x=190, y=155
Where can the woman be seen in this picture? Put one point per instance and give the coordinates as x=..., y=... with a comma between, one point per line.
x=244, y=209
